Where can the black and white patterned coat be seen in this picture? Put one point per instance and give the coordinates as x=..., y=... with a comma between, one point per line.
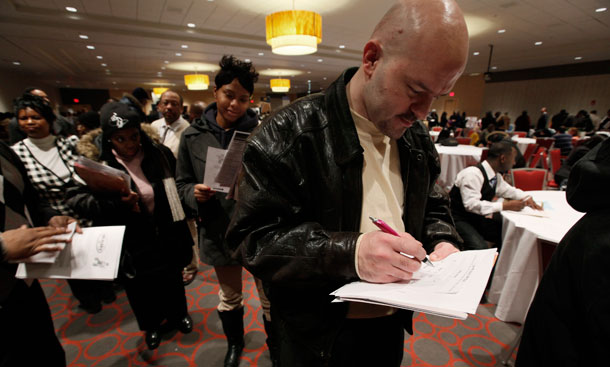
x=48, y=184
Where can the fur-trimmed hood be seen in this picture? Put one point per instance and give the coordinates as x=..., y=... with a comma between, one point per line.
x=90, y=144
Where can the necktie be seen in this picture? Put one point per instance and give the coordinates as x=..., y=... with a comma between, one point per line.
x=492, y=182
x=165, y=130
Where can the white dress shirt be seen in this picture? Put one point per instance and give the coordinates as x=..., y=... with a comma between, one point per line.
x=470, y=181
x=170, y=134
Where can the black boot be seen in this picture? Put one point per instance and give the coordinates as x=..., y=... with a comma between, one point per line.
x=233, y=326
x=271, y=344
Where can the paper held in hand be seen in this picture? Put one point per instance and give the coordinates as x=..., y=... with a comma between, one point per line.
x=222, y=166
x=101, y=178
x=94, y=254
x=451, y=288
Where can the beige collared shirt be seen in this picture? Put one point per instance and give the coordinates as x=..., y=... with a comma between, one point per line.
x=382, y=194
x=170, y=134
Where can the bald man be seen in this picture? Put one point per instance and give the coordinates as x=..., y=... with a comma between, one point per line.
x=196, y=110
x=316, y=170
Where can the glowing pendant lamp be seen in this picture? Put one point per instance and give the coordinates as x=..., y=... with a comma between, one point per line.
x=197, y=81
x=280, y=85
x=159, y=90
x=294, y=32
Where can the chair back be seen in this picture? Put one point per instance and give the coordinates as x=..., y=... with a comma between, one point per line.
x=528, y=179
x=539, y=156
x=545, y=142
x=555, y=160
x=458, y=131
x=462, y=140
x=437, y=128
x=529, y=150
x=521, y=134
x=484, y=153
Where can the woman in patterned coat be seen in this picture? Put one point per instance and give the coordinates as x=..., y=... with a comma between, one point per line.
x=49, y=162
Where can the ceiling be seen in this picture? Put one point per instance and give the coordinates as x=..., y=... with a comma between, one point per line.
x=138, y=40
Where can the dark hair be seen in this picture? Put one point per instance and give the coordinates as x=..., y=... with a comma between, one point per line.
x=172, y=91
x=29, y=90
x=500, y=147
x=36, y=103
x=91, y=120
x=231, y=68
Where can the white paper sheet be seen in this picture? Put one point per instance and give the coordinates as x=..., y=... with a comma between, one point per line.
x=94, y=254
x=452, y=288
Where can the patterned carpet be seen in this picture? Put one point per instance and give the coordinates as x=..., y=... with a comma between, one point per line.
x=111, y=338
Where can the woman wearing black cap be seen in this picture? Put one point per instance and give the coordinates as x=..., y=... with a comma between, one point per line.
x=157, y=243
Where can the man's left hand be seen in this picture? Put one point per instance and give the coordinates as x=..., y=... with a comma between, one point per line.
x=532, y=204
x=442, y=250
x=62, y=221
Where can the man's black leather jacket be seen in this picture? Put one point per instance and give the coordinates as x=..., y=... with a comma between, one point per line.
x=298, y=213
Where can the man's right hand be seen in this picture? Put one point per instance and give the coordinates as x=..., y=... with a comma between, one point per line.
x=24, y=242
x=203, y=193
x=514, y=205
x=380, y=261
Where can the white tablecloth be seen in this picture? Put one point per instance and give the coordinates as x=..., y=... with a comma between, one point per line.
x=518, y=272
x=434, y=135
x=455, y=159
x=522, y=143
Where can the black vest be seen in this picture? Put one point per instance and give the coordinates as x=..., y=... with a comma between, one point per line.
x=457, y=205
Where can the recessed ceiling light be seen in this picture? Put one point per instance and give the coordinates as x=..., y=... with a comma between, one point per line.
x=178, y=54
x=320, y=60
x=578, y=58
x=600, y=10
x=338, y=51
x=91, y=47
x=99, y=57
x=104, y=64
x=309, y=72
x=501, y=30
x=261, y=54
x=494, y=67
x=185, y=46
x=247, y=60
x=191, y=25
x=114, y=83
x=71, y=9
x=107, y=70
x=475, y=74
x=83, y=36
x=167, y=62
x=163, y=68
x=341, y=46
x=476, y=53
x=538, y=43
x=325, y=78
x=16, y=63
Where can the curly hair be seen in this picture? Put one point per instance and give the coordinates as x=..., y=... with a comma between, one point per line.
x=232, y=68
x=36, y=103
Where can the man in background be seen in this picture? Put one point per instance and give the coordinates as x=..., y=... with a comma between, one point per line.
x=196, y=110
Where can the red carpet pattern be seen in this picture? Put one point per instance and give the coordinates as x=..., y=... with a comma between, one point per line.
x=112, y=338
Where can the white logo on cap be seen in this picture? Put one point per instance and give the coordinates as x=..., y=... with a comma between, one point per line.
x=119, y=122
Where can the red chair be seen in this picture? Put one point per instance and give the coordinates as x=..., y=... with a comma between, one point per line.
x=484, y=154
x=529, y=150
x=529, y=179
x=437, y=128
x=521, y=134
x=545, y=142
x=555, y=155
x=462, y=140
x=540, y=155
x=458, y=131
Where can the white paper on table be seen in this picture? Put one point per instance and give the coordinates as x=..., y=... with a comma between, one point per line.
x=213, y=162
x=49, y=257
x=452, y=288
x=94, y=254
x=533, y=212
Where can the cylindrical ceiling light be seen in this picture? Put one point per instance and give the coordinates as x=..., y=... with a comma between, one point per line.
x=197, y=81
x=280, y=85
x=159, y=90
x=294, y=32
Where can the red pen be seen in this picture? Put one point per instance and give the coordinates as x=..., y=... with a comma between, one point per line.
x=384, y=227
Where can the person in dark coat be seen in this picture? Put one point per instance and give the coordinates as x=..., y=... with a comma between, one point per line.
x=568, y=321
x=136, y=101
x=213, y=210
x=523, y=122
x=157, y=243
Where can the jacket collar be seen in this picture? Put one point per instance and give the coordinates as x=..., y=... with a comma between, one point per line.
x=341, y=124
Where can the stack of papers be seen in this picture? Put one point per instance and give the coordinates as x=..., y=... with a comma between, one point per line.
x=451, y=288
x=94, y=254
